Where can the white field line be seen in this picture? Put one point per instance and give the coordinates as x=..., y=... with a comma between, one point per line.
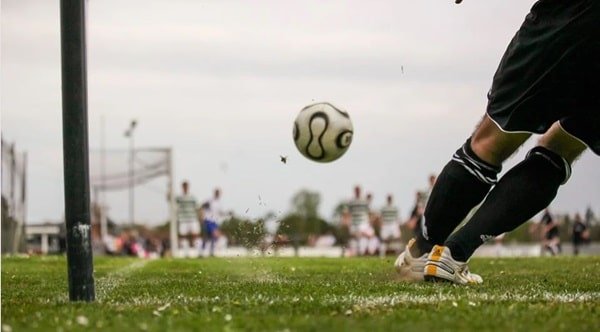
x=115, y=279
x=372, y=302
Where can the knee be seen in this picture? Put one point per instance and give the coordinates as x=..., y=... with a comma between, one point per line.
x=552, y=158
x=495, y=150
x=476, y=166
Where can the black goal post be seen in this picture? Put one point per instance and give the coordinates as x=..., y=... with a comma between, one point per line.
x=75, y=150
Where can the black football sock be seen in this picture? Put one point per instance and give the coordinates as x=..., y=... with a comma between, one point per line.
x=462, y=184
x=522, y=192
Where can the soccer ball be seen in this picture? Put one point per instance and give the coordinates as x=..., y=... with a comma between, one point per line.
x=322, y=132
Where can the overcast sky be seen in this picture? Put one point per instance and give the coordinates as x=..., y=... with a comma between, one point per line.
x=222, y=81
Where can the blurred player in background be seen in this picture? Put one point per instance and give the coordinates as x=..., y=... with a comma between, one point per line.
x=416, y=215
x=547, y=83
x=551, y=234
x=415, y=220
x=187, y=218
x=372, y=235
x=580, y=233
x=344, y=231
x=390, y=225
x=361, y=229
x=424, y=197
x=213, y=217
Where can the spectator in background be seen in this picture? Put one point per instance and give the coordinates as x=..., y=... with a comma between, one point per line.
x=134, y=244
x=187, y=218
x=580, y=233
x=551, y=234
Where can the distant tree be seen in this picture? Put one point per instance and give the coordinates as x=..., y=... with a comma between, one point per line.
x=305, y=203
x=244, y=232
x=292, y=227
x=589, y=216
x=304, y=220
x=339, y=209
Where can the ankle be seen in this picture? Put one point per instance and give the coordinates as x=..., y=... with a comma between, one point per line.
x=422, y=246
x=457, y=252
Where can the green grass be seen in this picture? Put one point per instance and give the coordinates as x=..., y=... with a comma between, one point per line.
x=301, y=294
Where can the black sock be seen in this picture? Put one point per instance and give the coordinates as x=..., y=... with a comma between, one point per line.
x=462, y=184
x=522, y=192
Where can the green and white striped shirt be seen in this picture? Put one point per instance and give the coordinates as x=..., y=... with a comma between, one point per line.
x=186, y=209
x=359, y=209
x=389, y=214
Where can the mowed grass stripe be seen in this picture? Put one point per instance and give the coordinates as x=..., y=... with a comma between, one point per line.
x=372, y=302
x=115, y=279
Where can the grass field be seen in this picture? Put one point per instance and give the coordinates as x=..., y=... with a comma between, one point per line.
x=300, y=294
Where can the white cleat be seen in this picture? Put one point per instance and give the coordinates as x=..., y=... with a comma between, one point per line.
x=410, y=268
x=441, y=266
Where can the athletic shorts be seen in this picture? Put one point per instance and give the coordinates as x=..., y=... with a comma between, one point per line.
x=551, y=72
x=390, y=231
x=209, y=227
x=362, y=229
x=552, y=233
x=189, y=228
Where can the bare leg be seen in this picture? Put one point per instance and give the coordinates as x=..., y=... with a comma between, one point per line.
x=562, y=143
x=493, y=145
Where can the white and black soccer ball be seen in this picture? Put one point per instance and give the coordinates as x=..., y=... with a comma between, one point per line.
x=322, y=132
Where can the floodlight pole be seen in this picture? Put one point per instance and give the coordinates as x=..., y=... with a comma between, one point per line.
x=75, y=150
x=129, y=134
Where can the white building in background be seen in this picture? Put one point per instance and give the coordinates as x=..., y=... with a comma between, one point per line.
x=45, y=238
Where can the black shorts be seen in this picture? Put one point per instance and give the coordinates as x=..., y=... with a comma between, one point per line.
x=552, y=233
x=551, y=72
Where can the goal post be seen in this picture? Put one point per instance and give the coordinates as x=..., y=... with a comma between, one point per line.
x=111, y=171
x=173, y=235
x=75, y=150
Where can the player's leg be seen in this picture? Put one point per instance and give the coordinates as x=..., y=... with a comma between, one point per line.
x=196, y=232
x=183, y=240
x=192, y=243
x=522, y=192
x=383, y=242
x=462, y=184
x=465, y=181
x=213, y=240
x=203, y=237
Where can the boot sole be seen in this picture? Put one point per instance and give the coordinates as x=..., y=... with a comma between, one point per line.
x=436, y=279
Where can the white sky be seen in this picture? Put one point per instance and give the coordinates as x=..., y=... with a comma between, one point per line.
x=222, y=81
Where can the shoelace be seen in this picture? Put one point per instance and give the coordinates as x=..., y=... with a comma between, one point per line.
x=464, y=270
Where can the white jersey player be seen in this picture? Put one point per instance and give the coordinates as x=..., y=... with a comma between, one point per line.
x=362, y=232
x=359, y=209
x=213, y=217
x=390, y=224
x=187, y=217
x=213, y=211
